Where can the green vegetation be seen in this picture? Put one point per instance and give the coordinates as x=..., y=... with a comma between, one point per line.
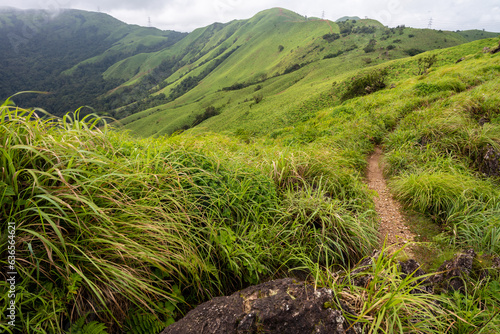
x=66, y=54
x=118, y=227
x=85, y=58
x=117, y=233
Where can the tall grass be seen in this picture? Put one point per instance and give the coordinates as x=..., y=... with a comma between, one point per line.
x=114, y=227
x=437, y=154
x=389, y=301
x=377, y=297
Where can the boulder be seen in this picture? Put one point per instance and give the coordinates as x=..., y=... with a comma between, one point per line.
x=453, y=273
x=279, y=306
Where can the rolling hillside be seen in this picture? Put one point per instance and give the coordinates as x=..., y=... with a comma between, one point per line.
x=65, y=53
x=166, y=80
x=258, y=71
x=114, y=233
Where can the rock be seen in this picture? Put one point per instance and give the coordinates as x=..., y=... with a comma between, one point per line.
x=280, y=306
x=461, y=59
x=412, y=267
x=483, y=120
x=287, y=306
x=486, y=49
x=496, y=263
x=490, y=164
x=455, y=271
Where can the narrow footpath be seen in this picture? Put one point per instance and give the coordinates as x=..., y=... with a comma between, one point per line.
x=393, y=225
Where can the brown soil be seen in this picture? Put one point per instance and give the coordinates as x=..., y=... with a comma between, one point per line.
x=393, y=225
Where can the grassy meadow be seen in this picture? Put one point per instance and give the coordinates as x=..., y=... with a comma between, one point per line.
x=121, y=234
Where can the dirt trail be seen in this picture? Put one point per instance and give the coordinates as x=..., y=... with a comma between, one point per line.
x=393, y=224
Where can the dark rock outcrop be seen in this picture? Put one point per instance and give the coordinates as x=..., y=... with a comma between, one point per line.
x=495, y=50
x=280, y=306
x=453, y=273
x=490, y=164
x=287, y=306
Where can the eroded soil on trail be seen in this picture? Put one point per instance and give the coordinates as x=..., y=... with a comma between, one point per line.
x=393, y=225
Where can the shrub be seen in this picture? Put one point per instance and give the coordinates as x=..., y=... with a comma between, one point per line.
x=292, y=68
x=210, y=111
x=371, y=46
x=331, y=37
x=413, y=51
x=257, y=98
x=425, y=63
x=364, y=84
x=333, y=55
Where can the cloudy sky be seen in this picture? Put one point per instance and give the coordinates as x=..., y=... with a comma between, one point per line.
x=186, y=15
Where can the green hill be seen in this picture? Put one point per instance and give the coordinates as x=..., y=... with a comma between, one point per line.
x=277, y=58
x=166, y=80
x=66, y=53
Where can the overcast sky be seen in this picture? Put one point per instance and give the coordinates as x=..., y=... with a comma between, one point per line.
x=186, y=15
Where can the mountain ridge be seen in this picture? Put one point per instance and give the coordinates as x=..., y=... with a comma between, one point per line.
x=129, y=69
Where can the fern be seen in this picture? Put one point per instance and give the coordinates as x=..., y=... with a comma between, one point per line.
x=93, y=327
x=146, y=324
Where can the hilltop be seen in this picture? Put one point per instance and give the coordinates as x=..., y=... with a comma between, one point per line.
x=250, y=74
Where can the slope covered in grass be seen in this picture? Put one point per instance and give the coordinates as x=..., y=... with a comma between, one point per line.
x=137, y=231
x=65, y=52
x=256, y=72
x=441, y=132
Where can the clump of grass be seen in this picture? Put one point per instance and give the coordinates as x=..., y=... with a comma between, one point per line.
x=388, y=301
x=363, y=84
x=440, y=194
x=340, y=237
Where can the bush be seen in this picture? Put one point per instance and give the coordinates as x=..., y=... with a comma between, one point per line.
x=371, y=46
x=426, y=62
x=331, y=37
x=413, y=51
x=257, y=98
x=210, y=111
x=364, y=84
x=333, y=55
x=292, y=68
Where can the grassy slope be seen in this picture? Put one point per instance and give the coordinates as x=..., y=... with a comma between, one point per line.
x=173, y=221
x=258, y=57
x=439, y=149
